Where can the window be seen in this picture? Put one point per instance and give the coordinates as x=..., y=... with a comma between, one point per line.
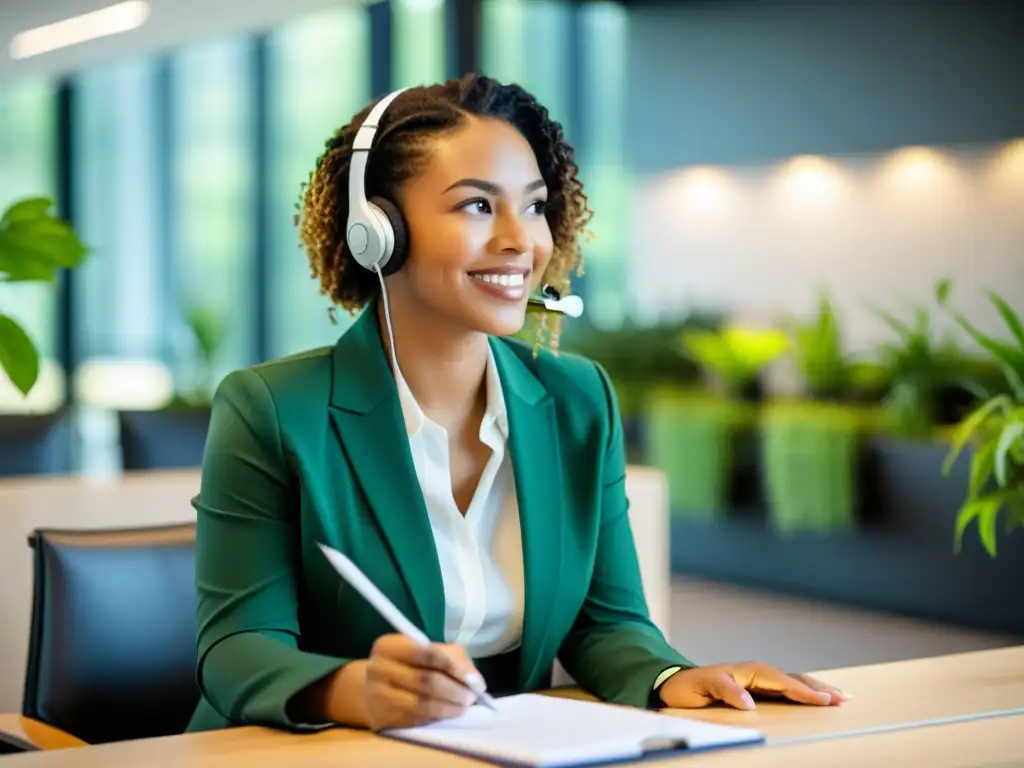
x=121, y=307
x=210, y=259
x=27, y=168
x=602, y=159
x=319, y=77
x=526, y=42
x=418, y=42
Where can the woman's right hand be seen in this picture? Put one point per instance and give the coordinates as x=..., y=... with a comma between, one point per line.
x=408, y=685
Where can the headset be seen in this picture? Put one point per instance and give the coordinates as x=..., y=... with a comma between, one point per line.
x=376, y=234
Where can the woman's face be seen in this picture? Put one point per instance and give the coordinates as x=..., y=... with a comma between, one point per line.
x=479, y=240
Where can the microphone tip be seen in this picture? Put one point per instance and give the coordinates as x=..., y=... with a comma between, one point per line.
x=572, y=305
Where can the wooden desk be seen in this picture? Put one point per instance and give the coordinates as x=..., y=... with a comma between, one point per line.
x=988, y=742
x=887, y=695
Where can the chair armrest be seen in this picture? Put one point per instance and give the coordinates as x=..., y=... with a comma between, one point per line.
x=27, y=735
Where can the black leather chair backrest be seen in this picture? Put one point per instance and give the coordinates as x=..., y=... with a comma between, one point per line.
x=112, y=652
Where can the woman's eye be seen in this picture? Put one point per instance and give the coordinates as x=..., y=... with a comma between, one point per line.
x=538, y=207
x=477, y=206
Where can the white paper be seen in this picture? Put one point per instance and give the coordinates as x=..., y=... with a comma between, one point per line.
x=547, y=732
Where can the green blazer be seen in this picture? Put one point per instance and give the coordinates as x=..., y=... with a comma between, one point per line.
x=313, y=448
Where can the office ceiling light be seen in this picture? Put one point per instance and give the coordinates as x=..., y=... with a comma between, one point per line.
x=111, y=20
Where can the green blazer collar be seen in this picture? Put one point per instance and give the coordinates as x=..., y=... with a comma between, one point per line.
x=368, y=419
x=361, y=373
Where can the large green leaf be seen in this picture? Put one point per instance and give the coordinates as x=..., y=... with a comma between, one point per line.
x=29, y=208
x=18, y=355
x=34, y=243
x=43, y=242
x=17, y=267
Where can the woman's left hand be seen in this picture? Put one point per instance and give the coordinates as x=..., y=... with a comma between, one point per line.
x=733, y=684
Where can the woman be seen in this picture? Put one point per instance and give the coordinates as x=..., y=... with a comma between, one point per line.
x=479, y=483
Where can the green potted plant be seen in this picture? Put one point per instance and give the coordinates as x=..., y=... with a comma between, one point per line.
x=919, y=367
x=811, y=448
x=817, y=349
x=703, y=438
x=175, y=435
x=639, y=359
x=995, y=433
x=35, y=244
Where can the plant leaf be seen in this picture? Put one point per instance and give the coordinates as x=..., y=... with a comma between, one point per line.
x=1005, y=353
x=29, y=208
x=987, y=517
x=44, y=243
x=15, y=269
x=1011, y=433
x=982, y=466
x=1010, y=317
x=970, y=425
x=942, y=289
x=900, y=327
x=18, y=355
x=968, y=512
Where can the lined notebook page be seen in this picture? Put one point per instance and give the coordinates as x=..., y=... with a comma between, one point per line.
x=549, y=732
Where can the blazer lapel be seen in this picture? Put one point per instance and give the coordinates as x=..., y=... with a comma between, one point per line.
x=367, y=417
x=537, y=468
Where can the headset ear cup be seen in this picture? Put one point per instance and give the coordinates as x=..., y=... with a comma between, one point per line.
x=400, y=251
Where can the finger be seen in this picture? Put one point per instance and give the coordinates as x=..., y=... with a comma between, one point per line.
x=766, y=679
x=424, y=683
x=394, y=646
x=453, y=661
x=725, y=689
x=838, y=694
x=398, y=708
x=791, y=688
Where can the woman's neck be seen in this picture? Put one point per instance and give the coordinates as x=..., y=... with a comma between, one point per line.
x=443, y=365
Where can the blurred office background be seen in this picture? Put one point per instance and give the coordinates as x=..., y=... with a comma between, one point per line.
x=769, y=179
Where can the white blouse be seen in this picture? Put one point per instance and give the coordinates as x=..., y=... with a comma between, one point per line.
x=481, y=553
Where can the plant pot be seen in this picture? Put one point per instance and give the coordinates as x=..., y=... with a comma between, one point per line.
x=172, y=438
x=811, y=456
x=697, y=440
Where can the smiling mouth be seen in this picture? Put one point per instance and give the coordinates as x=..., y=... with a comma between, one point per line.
x=510, y=286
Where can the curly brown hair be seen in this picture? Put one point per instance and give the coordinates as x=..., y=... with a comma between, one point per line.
x=399, y=151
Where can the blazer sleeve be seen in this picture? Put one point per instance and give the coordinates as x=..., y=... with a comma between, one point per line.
x=614, y=650
x=247, y=543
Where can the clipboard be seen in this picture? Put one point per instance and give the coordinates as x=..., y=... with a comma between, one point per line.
x=535, y=731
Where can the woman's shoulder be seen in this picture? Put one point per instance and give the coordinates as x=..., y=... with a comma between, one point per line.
x=292, y=378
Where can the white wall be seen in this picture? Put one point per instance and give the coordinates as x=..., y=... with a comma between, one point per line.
x=883, y=227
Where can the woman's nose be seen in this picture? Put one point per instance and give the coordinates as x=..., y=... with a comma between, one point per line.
x=509, y=234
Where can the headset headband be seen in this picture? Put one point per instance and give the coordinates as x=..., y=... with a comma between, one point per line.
x=366, y=237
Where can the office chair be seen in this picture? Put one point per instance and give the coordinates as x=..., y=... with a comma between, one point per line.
x=162, y=439
x=112, y=646
x=35, y=444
